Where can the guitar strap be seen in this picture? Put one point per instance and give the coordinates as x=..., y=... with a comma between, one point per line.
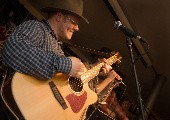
x=89, y=50
x=57, y=95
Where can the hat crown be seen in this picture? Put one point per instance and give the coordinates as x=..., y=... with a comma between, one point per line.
x=74, y=6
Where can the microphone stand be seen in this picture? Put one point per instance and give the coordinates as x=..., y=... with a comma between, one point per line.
x=129, y=44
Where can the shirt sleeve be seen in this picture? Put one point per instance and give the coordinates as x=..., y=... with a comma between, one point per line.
x=23, y=53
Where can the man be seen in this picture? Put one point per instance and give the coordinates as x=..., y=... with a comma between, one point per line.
x=113, y=108
x=34, y=48
x=110, y=108
x=102, y=84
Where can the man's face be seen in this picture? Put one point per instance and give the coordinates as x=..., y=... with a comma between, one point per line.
x=68, y=26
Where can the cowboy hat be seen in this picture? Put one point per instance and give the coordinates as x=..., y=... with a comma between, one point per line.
x=73, y=6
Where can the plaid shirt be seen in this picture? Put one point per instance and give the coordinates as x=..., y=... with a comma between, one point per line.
x=32, y=49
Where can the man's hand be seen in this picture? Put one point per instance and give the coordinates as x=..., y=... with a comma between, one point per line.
x=78, y=68
x=106, y=68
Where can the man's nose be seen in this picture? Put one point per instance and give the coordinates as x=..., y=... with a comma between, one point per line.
x=76, y=27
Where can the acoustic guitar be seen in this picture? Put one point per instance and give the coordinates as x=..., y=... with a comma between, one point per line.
x=61, y=98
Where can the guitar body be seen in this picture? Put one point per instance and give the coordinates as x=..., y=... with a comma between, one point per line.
x=29, y=98
x=36, y=100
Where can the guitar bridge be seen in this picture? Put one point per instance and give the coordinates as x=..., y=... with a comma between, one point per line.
x=57, y=95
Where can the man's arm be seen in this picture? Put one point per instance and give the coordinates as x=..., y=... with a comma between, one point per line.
x=22, y=53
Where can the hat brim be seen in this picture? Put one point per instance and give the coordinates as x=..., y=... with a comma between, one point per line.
x=47, y=10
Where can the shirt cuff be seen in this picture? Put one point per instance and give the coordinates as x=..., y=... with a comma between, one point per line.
x=65, y=65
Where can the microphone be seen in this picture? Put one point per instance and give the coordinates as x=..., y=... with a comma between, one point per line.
x=127, y=31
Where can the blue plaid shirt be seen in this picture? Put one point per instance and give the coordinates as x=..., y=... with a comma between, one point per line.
x=32, y=49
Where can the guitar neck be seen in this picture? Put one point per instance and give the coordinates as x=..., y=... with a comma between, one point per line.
x=91, y=73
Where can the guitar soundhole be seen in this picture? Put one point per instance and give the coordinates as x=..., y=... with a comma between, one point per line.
x=75, y=84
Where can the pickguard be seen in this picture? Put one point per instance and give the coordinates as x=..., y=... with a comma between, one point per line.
x=77, y=102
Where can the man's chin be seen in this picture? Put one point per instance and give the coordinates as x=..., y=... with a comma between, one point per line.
x=68, y=37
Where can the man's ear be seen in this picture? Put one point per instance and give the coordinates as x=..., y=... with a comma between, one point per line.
x=58, y=16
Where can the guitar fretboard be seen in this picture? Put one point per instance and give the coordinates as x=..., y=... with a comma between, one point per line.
x=91, y=73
